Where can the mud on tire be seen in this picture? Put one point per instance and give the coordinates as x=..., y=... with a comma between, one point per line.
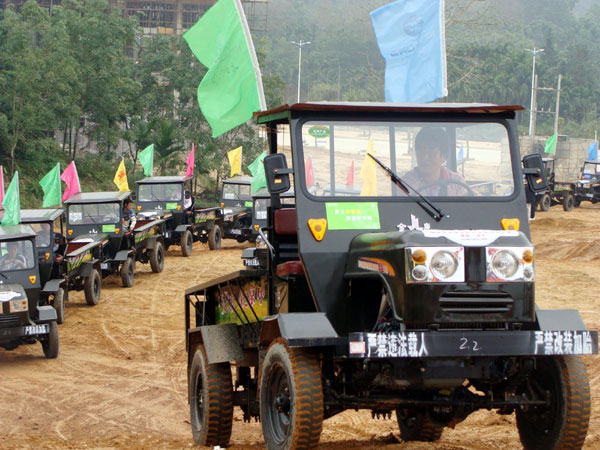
x=92, y=287
x=59, y=305
x=415, y=425
x=291, y=398
x=157, y=258
x=127, y=272
x=51, y=343
x=211, y=401
x=214, y=238
x=186, y=242
x=564, y=423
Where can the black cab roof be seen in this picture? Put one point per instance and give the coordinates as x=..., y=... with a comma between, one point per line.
x=164, y=179
x=41, y=215
x=12, y=232
x=238, y=179
x=98, y=197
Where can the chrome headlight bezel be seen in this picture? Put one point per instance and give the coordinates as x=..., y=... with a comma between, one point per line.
x=524, y=271
x=425, y=273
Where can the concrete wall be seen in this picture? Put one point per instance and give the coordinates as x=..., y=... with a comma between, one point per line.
x=570, y=154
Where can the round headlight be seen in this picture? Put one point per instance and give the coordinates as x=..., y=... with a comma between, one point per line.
x=444, y=264
x=419, y=273
x=505, y=264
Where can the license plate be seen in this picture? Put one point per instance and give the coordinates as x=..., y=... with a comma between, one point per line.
x=36, y=329
x=104, y=266
x=252, y=262
x=234, y=231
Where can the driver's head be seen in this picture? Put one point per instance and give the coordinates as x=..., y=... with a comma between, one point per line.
x=431, y=147
x=13, y=248
x=126, y=204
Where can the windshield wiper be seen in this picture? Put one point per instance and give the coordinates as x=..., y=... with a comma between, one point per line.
x=91, y=218
x=434, y=212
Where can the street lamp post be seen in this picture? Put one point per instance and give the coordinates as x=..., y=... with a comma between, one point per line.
x=299, y=45
x=534, y=52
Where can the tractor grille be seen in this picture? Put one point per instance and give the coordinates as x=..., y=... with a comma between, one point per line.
x=8, y=321
x=476, y=302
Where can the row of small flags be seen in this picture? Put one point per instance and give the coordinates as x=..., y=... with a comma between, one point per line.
x=550, y=147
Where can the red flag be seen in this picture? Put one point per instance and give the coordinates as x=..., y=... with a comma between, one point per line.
x=1, y=186
x=190, y=163
x=350, y=176
x=70, y=177
x=308, y=171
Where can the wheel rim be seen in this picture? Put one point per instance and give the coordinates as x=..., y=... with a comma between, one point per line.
x=96, y=286
x=279, y=404
x=218, y=238
x=544, y=418
x=159, y=257
x=189, y=241
x=199, y=401
x=130, y=272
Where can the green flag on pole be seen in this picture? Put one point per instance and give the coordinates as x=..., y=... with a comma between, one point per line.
x=11, y=203
x=257, y=169
x=551, y=144
x=232, y=88
x=146, y=159
x=51, y=187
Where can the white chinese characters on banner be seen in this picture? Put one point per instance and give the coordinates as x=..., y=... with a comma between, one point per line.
x=563, y=343
x=394, y=345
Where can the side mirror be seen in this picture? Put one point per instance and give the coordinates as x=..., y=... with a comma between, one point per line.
x=533, y=169
x=277, y=173
x=133, y=197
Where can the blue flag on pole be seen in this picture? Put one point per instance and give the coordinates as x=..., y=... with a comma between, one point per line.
x=593, y=151
x=411, y=38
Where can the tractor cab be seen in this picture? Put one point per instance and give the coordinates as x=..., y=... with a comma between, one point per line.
x=236, y=208
x=165, y=196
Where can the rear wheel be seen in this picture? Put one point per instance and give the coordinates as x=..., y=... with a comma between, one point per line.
x=291, y=398
x=567, y=202
x=59, y=305
x=186, y=243
x=214, y=238
x=576, y=202
x=50, y=344
x=127, y=272
x=157, y=258
x=415, y=425
x=211, y=401
x=563, y=423
x=545, y=202
x=92, y=287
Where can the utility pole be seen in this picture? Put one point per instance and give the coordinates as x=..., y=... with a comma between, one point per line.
x=557, y=104
x=534, y=52
x=299, y=45
x=533, y=117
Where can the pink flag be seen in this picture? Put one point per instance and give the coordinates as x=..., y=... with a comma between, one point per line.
x=350, y=176
x=1, y=186
x=190, y=163
x=309, y=174
x=70, y=177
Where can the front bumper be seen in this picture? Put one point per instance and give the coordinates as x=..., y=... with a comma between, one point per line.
x=27, y=331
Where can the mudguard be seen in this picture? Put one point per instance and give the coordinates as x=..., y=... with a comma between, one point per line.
x=122, y=255
x=151, y=242
x=86, y=268
x=296, y=326
x=182, y=228
x=46, y=314
x=559, y=320
x=221, y=342
x=52, y=286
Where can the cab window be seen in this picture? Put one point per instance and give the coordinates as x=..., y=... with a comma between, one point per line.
x=16, y=255
x=94, y=213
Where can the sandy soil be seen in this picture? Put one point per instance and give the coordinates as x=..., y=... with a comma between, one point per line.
x=120, y=378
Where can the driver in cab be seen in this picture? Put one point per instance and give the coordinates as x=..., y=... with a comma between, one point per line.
x=13, y=260
x=430, y=176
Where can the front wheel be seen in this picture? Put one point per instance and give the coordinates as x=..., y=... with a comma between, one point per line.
x=291, y=398
x=92, y=287
x=127, y=272
x=211, y=401
x=50, y=344
x=157, y=258
x=563, y=423
x=415, y=425
x=568, y=202
x=545, y=202
x=59, y=305
x=214, y=238
x=186, y=243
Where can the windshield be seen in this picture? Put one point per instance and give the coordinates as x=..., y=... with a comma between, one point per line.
x=94, y=213
x=159, y=192
x=42, y=231
x=439, y=159
x=236, y=191
x=591, y=170
x=16, y=255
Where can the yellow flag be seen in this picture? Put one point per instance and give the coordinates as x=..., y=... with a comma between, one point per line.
x=121, y=177
x=367, y=173
x=235, y=160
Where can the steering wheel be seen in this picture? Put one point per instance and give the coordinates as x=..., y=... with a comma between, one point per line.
x=445, y=182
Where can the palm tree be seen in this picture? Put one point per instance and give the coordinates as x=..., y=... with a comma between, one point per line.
x=166, y=144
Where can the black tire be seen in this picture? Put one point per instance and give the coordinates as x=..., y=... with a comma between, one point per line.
x=127, y=272
x=214, y=238
x=59, y=305
x=157, y=258
x=564, y=423
x=211, y=401
x=576, y=202
x=291, y=398
x=567, y=202
x=186, y=242
x=415, y=425
x=92, y=287
x=51, y=343
x=545, y=202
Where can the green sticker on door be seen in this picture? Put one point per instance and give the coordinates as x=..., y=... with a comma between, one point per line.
x=352, y=216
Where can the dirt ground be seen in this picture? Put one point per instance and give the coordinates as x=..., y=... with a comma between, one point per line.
x=120, y=378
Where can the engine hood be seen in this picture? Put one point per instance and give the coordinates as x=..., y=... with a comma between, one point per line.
x=10, y=292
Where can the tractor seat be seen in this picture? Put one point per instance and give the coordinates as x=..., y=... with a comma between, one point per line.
x=290, y=268
x=285, y=221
